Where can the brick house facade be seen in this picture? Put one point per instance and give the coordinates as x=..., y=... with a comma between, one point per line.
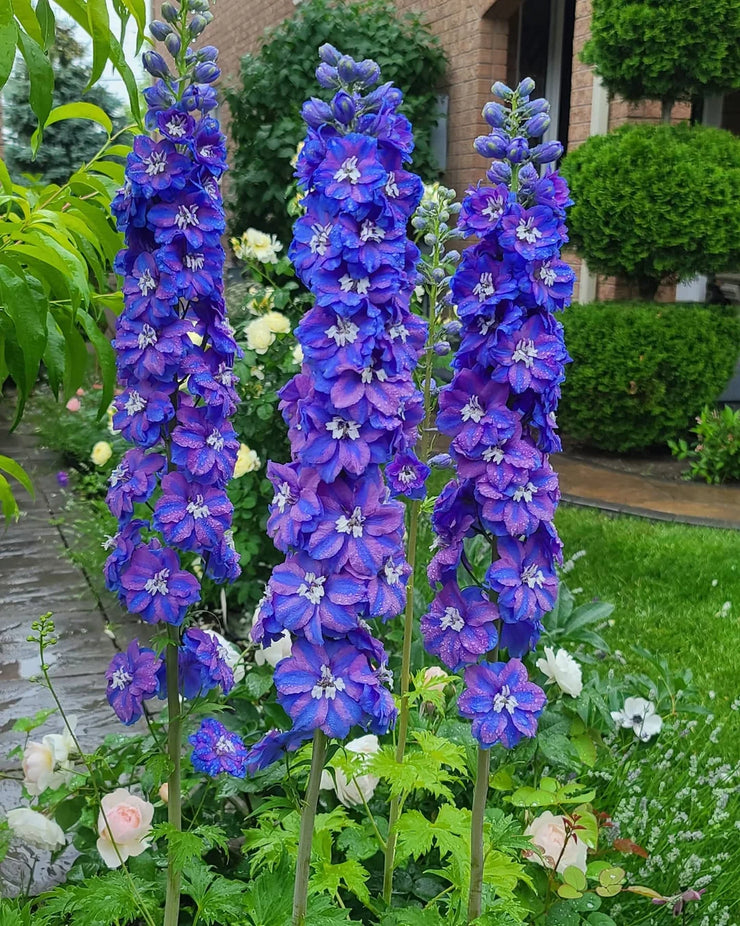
x=487, y=41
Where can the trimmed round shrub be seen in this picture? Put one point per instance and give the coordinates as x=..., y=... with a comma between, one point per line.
x=266, y=121
x=642, y=373
x=656, y=202
x=665, y=49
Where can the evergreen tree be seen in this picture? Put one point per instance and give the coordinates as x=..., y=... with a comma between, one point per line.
x=68, y=143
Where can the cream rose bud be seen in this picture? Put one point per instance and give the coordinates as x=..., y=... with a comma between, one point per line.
x=562, y=669
x=124, y=823
x=229, y=653
x=164, y=792
x=362, y=787
x=548, y=834
x=430, y=674
x=275, y=652
x=259, y=336
x=36, y=829
x=247, y=461
x=277, y=322
x=41, y=763
x=101, y=453
x=298, y=354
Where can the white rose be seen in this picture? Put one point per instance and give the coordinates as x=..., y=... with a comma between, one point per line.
x=298, y=354
x=43, y=763
x=259, y=336
x=361, y=786
x=36, y=829
x=432, y=672
x=275, y=652
x=257, y=245
x=229, y=653
x=562, y=669
x=548, y=834
x=101, y=453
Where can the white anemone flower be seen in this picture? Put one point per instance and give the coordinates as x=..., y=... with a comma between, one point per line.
x=639, y=714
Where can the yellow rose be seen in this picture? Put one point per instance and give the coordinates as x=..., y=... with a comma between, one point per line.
x=257, y=245
x=101, y=453
x=259, y=336
x=247, y=461
x=277, y=322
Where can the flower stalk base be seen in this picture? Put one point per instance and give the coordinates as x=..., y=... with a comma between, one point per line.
x=303, y=862
x=174, y=797
x=477, y=855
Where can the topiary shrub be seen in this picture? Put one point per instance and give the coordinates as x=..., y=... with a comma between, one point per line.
x=266, y=126
x=656, y=202
x=642, y=373
x=664, y=49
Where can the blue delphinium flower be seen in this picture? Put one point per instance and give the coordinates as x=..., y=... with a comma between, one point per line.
x=217, y=750
x=352, y=410
x=499, y=411
x=132, y=679
x=175, y=355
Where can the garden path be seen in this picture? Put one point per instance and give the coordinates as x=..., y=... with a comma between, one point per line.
x=36, y=577
x=583, y=482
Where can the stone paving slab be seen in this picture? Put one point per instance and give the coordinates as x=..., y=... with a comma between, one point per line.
x=598, y=486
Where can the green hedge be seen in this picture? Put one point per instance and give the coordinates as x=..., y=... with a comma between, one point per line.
x=641, y=373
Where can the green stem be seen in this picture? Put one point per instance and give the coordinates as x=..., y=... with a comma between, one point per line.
x=476, y=834
x=308, y=815
x=174, y=796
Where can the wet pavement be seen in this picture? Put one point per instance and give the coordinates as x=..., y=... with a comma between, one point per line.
x=586, y=483
x=36, y=577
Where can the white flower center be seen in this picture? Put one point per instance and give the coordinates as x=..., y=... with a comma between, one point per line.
x=493, y=208
x=224, y=746
x=547, y=274
x=472, y=410
x=206, y=151
x=320, y=239
x=215, y=440
x=186, y=216
x=156, y=163
x=194, y=261
x=525, y=493
x=146, y=283
x=391, y=187
x=176, y=127
x=197, y=508
x=312, y=587
x=343, y=332
x=452, y=620
x=351, y=525
x=371, y=232
x=505, y=700
x=368, y=373
x=349, y=171
x=157, y=585
x=282, y=498
x=392, y=572
x=398, y=331
x=525, y=352
x=533, y=577
x=341, y=428
x=349, y=284
x=225, y=376
x=147, y=337
x=493, y=455
x=120, y=474
x=485, y=325
x=484, y=287
x=525, y=231
x=328, y=685
x=120, y=679
x=134, y=403
x=406, y=475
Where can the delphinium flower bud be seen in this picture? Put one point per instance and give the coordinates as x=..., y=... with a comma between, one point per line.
x=175, y=354
x=495, y=115
x=159, y=30
x=351, y=410
x=197, y=24
x=169, y=12
x=498, y=411
x=173, y=44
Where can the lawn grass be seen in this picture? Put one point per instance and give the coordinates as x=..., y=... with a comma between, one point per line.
x=668, y=582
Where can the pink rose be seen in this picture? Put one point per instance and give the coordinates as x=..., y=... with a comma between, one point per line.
x=129, y=822
x=548, y=835
x=74, y=404
x=80, y=391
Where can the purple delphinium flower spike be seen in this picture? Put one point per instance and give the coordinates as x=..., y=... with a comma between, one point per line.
x=217, y=750
x=175, y=356
x=352, y=410
x=499, y=411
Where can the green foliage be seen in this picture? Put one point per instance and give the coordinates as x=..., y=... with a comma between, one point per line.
x=642, y=373
x=656, y=202
x=266, y=126
x=108, y=900
x=68, y=142
x=664, y=50
x=715, y=454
